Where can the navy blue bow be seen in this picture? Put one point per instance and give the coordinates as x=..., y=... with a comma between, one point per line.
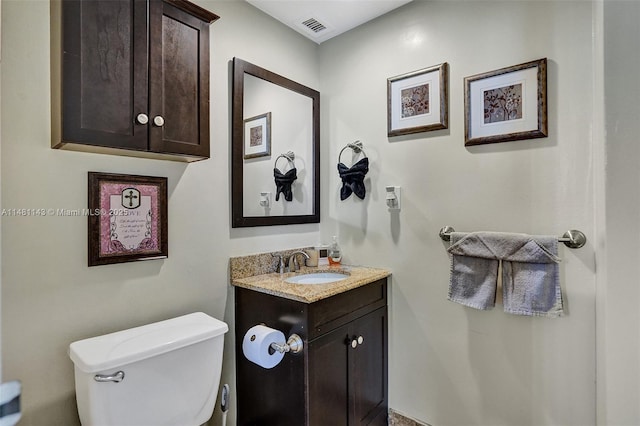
x=353, y=179
x=283, y=183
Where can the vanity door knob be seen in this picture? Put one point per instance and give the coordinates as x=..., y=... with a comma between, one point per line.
x=360, y=340
x=354, y=343
x=142, y=118
x=158, y=120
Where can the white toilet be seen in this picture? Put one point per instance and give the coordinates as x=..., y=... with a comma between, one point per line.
x=161, y=374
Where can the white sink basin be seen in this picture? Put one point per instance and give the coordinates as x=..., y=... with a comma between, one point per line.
x=316, y=278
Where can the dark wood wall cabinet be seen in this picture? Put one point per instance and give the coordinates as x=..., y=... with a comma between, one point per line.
x=340, y=377
x=132, y=77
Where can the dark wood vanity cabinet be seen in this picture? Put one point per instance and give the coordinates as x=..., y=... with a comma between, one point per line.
x=348, y=369
x=134, y=76
x=340, y=378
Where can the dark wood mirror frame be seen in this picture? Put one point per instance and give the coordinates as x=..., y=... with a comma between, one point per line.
x=238, y=220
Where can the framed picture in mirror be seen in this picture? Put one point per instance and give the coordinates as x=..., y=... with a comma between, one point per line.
x=257, y=136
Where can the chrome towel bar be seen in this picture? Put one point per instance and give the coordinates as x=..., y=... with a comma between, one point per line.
x=572, y=239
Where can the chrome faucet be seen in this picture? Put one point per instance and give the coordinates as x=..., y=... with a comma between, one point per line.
x=293, y=267
x=280, y=267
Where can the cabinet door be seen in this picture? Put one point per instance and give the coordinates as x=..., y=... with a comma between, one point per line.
x=328, y=398
x=105, y=75
x=347, y=380
x=179, y=81
x=368, y=369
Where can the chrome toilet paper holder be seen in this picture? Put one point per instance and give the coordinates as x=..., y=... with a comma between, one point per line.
x=294, y=345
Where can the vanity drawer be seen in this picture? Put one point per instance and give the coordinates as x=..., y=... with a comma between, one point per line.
x=333, y=312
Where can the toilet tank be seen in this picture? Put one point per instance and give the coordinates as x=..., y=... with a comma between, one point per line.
x=171, y=373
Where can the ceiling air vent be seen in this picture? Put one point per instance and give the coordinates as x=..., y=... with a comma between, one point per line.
x=314, y=25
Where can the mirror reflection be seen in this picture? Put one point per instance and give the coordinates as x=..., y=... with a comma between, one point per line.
x=275, y=149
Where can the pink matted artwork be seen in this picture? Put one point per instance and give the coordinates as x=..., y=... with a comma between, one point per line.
x=130, y=220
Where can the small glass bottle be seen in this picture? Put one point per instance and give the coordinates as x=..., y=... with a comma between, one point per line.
x=335, y=254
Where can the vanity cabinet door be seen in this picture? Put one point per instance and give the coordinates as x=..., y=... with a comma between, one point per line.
x=329, y=378
x=368, y=369
x=348, y=373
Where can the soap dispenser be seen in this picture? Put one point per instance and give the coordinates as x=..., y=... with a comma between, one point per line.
x=335, y=254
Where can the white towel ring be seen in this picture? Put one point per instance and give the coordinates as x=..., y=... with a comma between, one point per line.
x=356, y=147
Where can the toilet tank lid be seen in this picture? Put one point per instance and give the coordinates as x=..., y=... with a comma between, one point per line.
x=123, y=347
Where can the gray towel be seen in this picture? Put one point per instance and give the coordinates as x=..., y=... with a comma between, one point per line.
x=530, y=276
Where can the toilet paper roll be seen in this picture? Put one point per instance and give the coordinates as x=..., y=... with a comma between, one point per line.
x=256, y=346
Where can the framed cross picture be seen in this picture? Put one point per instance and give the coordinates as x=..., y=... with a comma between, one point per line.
x=127, y=218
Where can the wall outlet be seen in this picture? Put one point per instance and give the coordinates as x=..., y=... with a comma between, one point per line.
x=393, y=197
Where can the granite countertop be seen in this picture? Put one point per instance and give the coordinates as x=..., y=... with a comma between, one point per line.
x=274, y=283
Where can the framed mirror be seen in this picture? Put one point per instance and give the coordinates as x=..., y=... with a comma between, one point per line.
x=275, y=154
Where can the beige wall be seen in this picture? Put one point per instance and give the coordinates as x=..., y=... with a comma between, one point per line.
x=50, y=297
x=448, y=365
x=451, y=365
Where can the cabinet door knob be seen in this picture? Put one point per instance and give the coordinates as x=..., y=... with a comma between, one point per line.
x=158, y=120
x=142, y=118
x=354, y=343
x=360, y=340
